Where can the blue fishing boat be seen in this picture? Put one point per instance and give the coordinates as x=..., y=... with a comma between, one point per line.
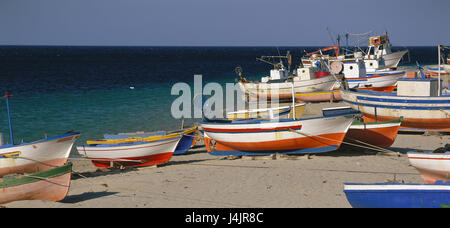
x=188, y=139
x=397, y=195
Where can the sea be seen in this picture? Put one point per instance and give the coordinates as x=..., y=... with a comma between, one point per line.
x=98, y=90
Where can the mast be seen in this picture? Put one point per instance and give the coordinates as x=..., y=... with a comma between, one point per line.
x=7, y=96
x=346, y=43
x=439, y=70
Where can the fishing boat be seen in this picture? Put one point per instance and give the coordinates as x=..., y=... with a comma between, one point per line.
x=281, y=112
x=435, y=70
x=432, y=166
x=419, y=101
x=131, y=151
x=357, y=77
x=279, y=85
x=397, y=195
x=51, y=184
x=188, y=139
x=379, y=49
x=286, y=136
x=35, y=156
x=378, y=134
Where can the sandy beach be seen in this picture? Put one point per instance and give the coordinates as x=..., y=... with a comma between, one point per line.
x=197, y=179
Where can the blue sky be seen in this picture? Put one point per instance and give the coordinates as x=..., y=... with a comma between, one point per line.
x=219, y=22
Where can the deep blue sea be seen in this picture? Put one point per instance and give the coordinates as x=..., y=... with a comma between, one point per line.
x=87, y=89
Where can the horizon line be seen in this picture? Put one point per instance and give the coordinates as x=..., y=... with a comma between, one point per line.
x=92, y=45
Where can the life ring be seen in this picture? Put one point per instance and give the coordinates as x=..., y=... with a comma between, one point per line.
x=377, y=42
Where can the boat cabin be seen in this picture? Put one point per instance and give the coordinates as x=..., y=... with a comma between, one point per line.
x=305, y=73
x=378, y=46
x=374, y=64
x=418, y=87
x=354, y=69
x=280, y=74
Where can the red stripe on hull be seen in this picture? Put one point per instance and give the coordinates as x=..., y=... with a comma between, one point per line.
x=380, y=89
x=380, y=137
x=414, y=122
x=33, y=167
x=156, y=159
x=280, y=145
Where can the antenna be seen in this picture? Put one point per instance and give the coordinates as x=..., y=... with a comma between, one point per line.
x=331, y=37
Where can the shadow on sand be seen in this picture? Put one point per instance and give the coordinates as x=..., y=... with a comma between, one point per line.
x=86, y=196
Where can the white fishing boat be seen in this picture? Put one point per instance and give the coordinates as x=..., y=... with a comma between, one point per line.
x=279, y=85
x=431, y=166
x=357, y=77
x=35, y=156
x=130, y=151
x=379, y=49
x=289, y=136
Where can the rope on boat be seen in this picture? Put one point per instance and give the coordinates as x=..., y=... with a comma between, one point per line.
x=37, y=161
x=369, y=146
x=45, y=179
x=445, y=112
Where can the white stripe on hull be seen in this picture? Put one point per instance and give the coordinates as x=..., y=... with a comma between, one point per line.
x=396, y=187
x=398, y=112
x=374, y=126
x=376, y=81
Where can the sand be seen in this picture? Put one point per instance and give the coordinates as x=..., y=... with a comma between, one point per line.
x=199, y=180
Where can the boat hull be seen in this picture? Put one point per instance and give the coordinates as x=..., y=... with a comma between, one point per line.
x=379, y=134
x=269, y=137
x=37, y=156
x=391, y=195
x=331, y=95
x=392, y=60
x=383, y=81
x=134, y=155
x=268, y=91
x=431, y=166
x=187, y=141
x=52, y=184
x=417, y=112
x=282, y=112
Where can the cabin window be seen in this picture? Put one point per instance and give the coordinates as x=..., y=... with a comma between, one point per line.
x=351, y=67
x=371, y=64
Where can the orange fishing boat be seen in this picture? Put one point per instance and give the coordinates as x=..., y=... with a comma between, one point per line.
x=379, y=134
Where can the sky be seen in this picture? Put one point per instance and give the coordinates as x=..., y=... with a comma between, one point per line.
x=220, y=22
